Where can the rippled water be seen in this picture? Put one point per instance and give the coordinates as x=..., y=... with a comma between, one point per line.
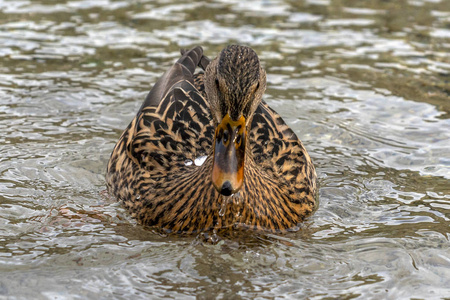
x=364, y=84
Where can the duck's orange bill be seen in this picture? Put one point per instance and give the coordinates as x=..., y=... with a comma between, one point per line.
x=229, y=155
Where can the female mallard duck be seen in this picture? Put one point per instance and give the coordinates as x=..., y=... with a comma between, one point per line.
x=205, y=152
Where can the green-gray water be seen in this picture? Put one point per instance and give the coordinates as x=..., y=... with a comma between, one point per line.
x=364, y=84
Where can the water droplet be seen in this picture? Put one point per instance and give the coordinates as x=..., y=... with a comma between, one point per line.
x=236, y=198
x=188, y=162
x=223, y=206
x=214, y=238
x=200, y=160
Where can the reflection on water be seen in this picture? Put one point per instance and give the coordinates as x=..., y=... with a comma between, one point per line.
x=364, y=85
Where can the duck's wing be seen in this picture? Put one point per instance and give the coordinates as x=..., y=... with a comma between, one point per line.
x=182, y=70
x=174, y=123
x=277, y=149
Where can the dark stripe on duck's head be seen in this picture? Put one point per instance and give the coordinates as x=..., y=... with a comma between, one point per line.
x=239, y=60
x=238, y=77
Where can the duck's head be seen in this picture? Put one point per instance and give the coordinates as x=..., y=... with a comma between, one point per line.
x=234, y=84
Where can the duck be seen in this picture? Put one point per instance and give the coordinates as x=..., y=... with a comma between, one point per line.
x=206, y=152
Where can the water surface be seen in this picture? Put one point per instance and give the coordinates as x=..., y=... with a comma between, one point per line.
x=364, y=84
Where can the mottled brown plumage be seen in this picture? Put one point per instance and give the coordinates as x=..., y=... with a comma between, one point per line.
x=156, y=171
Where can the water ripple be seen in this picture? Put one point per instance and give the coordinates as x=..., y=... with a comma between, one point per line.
x=364, y=86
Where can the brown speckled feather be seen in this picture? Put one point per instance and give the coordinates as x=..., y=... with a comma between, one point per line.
x=156, y=171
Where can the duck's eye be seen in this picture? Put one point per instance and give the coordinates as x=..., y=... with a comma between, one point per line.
x=257, y=86
x=226, y=136
x=238, y=139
